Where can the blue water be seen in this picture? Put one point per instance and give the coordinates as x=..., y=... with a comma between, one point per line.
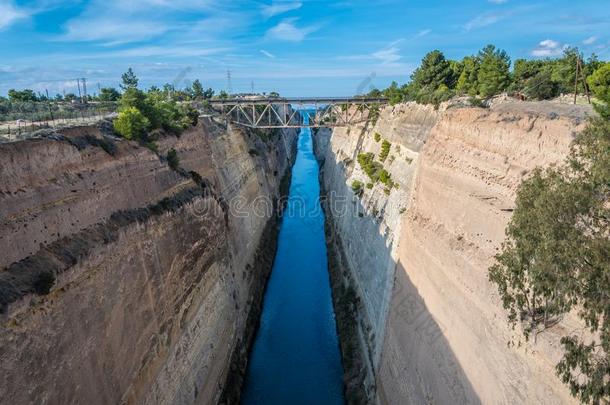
x=295, y=358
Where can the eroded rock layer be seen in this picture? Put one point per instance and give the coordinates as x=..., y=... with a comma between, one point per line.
x=417, y=253
x=125, y=281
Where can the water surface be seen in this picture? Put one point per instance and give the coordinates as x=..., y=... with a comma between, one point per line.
x=295, y=358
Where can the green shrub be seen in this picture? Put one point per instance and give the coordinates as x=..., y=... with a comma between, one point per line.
x=386, y=178
x=377, y=136
x=599, y=82
x=152, y=146
x=131, y=123
x=541, y=86
x=172, y=159
x=476, y=102
x=370, y=167
x=385, y=150
x=357, y=187
x=369, y=185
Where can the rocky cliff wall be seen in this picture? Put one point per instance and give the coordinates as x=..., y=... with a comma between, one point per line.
x=418, y=254
x=124, y=281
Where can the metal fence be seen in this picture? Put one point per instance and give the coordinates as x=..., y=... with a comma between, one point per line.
x=19, y=120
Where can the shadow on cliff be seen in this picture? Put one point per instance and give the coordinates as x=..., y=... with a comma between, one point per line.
x=417, y=362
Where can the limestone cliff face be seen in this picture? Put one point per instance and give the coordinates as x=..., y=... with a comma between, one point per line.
x=418, y=256
x=124, y=281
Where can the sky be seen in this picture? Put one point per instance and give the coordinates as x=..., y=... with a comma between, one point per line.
x=297, y=48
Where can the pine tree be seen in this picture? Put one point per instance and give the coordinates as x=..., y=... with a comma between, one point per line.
x=130, y=81
x=493, y=76
x=197, y=90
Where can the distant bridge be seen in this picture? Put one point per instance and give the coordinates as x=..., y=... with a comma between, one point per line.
x=314, y=112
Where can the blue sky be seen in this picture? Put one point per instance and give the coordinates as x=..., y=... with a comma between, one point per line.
x=308, y=47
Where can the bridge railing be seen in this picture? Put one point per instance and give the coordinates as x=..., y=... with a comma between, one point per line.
x=282, y=112
x=299, y=100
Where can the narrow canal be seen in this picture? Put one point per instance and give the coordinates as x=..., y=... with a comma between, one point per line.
x=295, y=358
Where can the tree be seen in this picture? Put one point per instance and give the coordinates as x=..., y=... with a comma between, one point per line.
x=208, y=94
x=133, y=97
x=541, y=86
x=130, y=81
x=197, y=90
x=433, y=72
x=22, y=96
x=557, y=258
x=467, y=81
x=599, y=82
x=393, y=94
x=593, y=63
x=564, y=70
x=131, y=124
x=109, y=94
x=524, y=70
x=493, y=76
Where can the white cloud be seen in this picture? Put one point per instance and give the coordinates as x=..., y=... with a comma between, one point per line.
x=498, y=1
x=483, y=20
x=112, y=30
x=590, y=40
x=548, y=48
x=115, y=22
x=170, y=51
x=287, y=31
x=268, y=54
x=422, y=33
x=493, y=17
x=279, y=8
x=386, y=56
x=9, y=14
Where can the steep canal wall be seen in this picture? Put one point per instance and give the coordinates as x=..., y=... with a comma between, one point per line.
x=410, y=260
x=125, y=281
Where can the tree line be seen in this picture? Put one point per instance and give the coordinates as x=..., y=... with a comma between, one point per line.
x=191, y=92
x=489, y=73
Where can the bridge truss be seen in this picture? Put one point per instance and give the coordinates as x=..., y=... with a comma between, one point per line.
x=297, y=112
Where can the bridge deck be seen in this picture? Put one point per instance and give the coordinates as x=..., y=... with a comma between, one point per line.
x=299, y=100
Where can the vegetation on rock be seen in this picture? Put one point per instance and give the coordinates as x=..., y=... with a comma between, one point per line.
x=557, y=259
x=172, y=159
x=357, y=187
x=140, y=112
x=385, y=150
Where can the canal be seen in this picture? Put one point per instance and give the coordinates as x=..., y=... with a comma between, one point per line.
x=295, y=358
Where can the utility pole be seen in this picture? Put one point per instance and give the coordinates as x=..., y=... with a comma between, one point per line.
x=580, y=74
x=80, y=95
x=84, y=80
x=229, y=82
x=252, y=85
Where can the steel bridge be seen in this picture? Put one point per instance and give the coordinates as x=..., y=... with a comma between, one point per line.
x=314, y=112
